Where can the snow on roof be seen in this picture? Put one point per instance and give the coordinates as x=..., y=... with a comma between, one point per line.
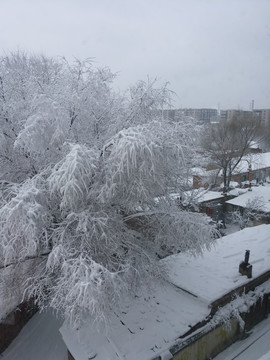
x=209, y=195
x=257, y=161
x=201, y=195
x=143, y=328
x=254, y=145
x=147, y=326
x=203, y=172
x=233, y=184
x=237, y=191
x=261, y=193
x=215, y=273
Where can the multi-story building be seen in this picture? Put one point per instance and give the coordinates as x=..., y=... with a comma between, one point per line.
x=204, y=115
x=228, y=115
x=263, y=115
x=207, y=115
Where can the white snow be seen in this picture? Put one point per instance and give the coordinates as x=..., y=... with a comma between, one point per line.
x=237, y=191
x=233, y=185
x=261, y=192
x=215, y=273
x=38, y=340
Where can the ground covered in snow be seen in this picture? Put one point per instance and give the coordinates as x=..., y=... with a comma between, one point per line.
x=38, y=340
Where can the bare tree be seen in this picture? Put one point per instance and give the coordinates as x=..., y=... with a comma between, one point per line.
x=226, y=143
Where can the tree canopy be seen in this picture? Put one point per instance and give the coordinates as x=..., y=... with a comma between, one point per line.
x=85, y=180
x=227, y=142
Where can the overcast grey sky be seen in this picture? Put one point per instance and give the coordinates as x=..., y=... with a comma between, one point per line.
x=211, y=51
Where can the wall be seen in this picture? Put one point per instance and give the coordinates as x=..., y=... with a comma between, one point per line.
x=211, y=343
x=204, y=346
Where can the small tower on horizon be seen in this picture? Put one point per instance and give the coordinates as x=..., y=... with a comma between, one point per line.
x=252, y=105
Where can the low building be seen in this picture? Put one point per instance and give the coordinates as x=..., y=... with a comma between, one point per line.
x=205, y=201
x=256, y=202
x=205, y=305
x=253, y=167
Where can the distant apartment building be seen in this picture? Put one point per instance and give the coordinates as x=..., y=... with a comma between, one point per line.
x=228, y=115
x=263, y=115
x=172, y=114
x=207, y=115
x=204, y=115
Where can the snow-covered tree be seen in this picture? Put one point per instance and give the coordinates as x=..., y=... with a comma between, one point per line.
x=85, y=182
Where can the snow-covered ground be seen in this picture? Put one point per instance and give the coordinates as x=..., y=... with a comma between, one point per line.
x=38, y=340
x=254, y=347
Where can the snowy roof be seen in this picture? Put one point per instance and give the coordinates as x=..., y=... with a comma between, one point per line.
x=208, y=195
x=147, y=326
x=261, y=194
x=237, y=191
x=142, y=329
x=201, y=195
x=254, y=145
x=233, y=185
x=257, y=161
x=203, y=172
x=214, y=274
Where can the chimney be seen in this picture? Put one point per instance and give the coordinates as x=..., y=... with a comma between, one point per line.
x=244, y=267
